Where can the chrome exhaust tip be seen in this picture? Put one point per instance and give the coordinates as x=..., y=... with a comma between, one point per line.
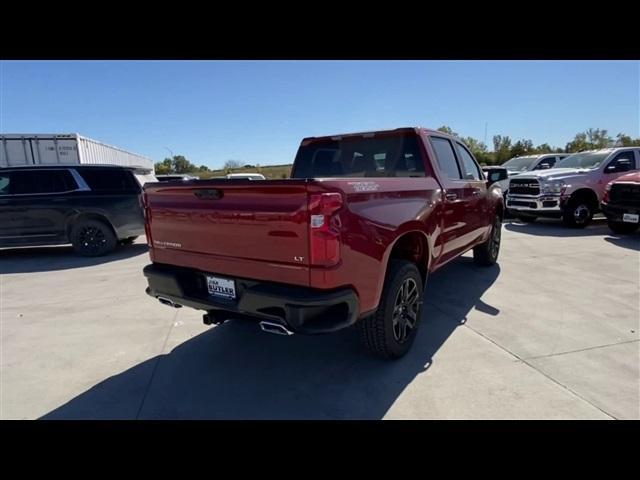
x=168, y=302
x=275, y=328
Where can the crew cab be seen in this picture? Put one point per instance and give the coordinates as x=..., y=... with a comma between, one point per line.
x=93, y=207
x=349, y=238
x=573, y=189
x=621, y=203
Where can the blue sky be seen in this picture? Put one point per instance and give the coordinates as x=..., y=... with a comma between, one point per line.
x=257, y=112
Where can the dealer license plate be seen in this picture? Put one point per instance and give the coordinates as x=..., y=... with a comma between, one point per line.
x=221, y=287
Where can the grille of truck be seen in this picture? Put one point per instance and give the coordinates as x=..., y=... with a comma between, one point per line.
x=524, y=187
x=625, y=193
x=520, y=203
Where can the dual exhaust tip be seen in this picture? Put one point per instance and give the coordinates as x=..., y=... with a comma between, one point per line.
x=169, y=302
x=209, y=319
x=276, y=328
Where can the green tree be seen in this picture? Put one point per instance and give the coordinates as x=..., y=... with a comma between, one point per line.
x=501, y=148
x=544, y=148
x=164, y=167
x=623, y=140
x=589, y=140
x=578, y=143
x=203, y=168
x=176, y=164
x=521, y=147
x=182, y=165
x=447, y=130
x=479, y=150
x=599, y=138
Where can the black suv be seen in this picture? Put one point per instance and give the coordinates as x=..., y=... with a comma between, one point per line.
x=91, y=207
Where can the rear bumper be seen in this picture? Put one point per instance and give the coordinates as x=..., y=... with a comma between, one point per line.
x=300, y=309
x=614, y=212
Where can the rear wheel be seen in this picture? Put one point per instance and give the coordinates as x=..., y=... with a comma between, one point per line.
x=623, y=228
x=578, y=212
x=486, y=254
x=391, y=330
x=92, y=238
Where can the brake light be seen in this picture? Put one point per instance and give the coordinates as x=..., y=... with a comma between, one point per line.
x=147, y=219
x=324, y=237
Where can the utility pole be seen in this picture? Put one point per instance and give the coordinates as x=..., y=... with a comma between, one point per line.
x=170, y=151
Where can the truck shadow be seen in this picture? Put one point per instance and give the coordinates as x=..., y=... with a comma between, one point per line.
x=47, y=259
x=549, y=227
x=235, y=371
x=631, y=241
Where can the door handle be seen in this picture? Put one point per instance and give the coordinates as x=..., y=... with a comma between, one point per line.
x=476, y=193
x=451, y=196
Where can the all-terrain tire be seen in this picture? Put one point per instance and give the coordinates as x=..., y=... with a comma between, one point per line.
x=391, y=330
x=486, y=254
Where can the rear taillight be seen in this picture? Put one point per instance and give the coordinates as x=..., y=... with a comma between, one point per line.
x=147, y=218
x=324, y=237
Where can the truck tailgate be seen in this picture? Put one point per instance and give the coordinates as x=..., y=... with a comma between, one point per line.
x=244, y=228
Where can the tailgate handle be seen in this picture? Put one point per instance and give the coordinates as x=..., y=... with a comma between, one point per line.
x=208, y=194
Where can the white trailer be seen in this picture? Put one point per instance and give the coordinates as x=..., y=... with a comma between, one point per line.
x=65, y=149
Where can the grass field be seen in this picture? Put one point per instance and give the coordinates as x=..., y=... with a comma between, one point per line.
x=269, y=171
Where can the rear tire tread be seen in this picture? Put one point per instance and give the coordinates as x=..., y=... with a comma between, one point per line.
x=373, y=328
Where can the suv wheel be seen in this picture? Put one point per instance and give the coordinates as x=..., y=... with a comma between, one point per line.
x=577, y=213
x=486, y=254
x=92, y=238
x=621, y=227
x=391, y=330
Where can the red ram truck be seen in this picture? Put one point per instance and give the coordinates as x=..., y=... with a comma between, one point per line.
x=349, y=239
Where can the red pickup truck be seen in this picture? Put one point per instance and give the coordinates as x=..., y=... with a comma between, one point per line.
x=349, y=239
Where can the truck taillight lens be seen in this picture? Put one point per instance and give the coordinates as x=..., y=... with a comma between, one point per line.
x=147, y=218
x=324, y=238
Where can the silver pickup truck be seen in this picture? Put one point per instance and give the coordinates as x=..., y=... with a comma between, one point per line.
x=527, y=163
x=573, y=189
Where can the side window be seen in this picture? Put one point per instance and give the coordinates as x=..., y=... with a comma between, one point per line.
x=26, y=182
x=110, y=180
x=622, y=162
x=471, y=171
x=5, y=179
x=445, y=157
x=546, y=163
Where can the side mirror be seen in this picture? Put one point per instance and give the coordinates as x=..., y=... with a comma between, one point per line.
x=495, y=176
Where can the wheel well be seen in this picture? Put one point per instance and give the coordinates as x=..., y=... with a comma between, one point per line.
x=413, y=247
x=89, y=216
x=586, y=194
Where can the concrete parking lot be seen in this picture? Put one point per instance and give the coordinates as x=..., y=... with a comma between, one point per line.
x=550, y=333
